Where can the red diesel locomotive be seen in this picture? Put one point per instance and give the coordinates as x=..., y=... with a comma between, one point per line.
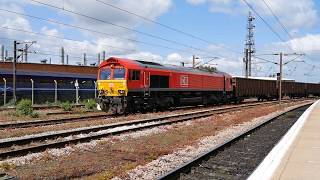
x=126, y=85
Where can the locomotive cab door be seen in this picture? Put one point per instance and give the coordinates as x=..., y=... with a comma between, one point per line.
x=146, y=82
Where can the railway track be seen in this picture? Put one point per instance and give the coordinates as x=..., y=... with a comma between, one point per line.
x=14, y=147
x=238, y=157
x=37, y=107
x=34, y=123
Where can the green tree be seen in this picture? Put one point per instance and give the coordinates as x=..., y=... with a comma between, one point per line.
x=208, y=69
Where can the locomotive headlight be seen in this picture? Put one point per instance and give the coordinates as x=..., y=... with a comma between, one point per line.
x=121, y=91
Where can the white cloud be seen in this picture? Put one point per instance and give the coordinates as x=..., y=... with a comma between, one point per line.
x=91, y=43
x=308, y=43
x=146, y=56
x=196, y=2
x=175, y=59
x=49, y=32
x=293, y=13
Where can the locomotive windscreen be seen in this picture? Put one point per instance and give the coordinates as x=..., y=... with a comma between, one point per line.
x=105, y=74
x=159, y=81
x=119, y=73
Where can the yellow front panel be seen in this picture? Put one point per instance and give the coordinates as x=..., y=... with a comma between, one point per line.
x=113, y=87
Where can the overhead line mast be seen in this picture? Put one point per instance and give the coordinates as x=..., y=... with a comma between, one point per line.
x=249, y=49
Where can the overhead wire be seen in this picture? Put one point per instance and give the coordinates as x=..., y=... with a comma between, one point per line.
x=62, y=38
x=277, y=18
x=268, y=25
x=119, y=26
x=165, y=26
x=265, y=22
x=279, y=21
x=92, y=30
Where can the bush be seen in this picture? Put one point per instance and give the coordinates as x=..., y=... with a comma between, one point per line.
x=66, y=106
x=34, y=115
x=48, y=103
x=24, y=107
x=90, y=104
x=10, y=103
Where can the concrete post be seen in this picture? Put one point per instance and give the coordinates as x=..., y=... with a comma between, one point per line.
x=26, y=53
x=62, y=55
x=55, y=91
x=84, y=59
x=6, y=54
x=76, y=84
x=193, y=61
x=98, y=59
x=4, y=91
x=103, y=55
x=2, y=52
x=67, y=59
x=14, y=73
x=32, y=91
x=95, y=89
x=280, y=79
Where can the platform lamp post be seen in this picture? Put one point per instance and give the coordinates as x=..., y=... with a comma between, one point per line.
x=55, y=91
x=4, y=91
x=32, y=91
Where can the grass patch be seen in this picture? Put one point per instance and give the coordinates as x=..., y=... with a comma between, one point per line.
x=130, y=165
x=104, y=176
x=7, y=166
x=34, y=115
x=90, y=105
x=150, y=158
x=24, y=108
x=66, y=106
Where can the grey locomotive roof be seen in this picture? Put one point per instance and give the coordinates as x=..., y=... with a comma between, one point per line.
x=174, y=67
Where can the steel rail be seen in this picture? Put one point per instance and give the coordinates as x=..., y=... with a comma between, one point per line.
x=34, y=123
x=39, y=107
x=23, y=124
x=186, y=167
x=160, y=121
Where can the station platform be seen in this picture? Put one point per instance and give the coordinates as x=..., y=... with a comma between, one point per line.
x=297, y=155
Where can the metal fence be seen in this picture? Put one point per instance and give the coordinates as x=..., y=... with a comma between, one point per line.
x=42, y=93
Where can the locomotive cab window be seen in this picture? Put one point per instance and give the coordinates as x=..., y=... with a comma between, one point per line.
x=105, y=74
x=119, y=73
x=134, y=75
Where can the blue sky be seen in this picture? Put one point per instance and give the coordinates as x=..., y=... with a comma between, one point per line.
x=221, y=22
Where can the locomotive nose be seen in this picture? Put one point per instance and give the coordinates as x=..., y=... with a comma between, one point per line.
x=113, y=88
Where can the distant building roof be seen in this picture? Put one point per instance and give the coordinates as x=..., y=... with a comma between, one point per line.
x=265, y=78
x=50, y=70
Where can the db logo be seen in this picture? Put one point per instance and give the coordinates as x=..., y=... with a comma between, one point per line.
x=184, y=81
